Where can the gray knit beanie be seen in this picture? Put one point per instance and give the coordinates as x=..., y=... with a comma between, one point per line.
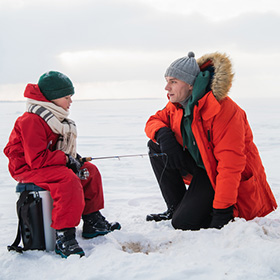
x=185, y=69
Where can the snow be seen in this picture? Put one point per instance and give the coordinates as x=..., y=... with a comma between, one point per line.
x=145, y=250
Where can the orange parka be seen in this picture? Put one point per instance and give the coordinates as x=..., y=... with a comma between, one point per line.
x=225, y=142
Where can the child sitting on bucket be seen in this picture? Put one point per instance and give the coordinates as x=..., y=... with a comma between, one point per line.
x=42, y=150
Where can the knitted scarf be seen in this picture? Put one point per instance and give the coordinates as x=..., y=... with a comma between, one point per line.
x=56, y=118
x=199, y=90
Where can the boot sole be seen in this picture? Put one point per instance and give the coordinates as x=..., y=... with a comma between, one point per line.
x=98, y=233
x=92, y=235
x=65, y=256
x=157, y=218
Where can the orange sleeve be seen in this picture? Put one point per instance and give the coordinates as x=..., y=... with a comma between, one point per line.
x=157, y=121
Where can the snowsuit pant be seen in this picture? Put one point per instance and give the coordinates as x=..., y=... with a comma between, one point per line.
x=193, y=205
x=71, y=196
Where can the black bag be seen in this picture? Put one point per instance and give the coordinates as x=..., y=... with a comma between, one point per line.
x=30, y=223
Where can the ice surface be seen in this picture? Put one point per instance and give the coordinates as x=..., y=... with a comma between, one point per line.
x=146, y=250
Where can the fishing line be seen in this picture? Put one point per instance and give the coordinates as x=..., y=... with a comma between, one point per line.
x=86, y=159
x=165, y=164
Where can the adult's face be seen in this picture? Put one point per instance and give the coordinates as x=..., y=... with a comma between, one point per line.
x=177, y=90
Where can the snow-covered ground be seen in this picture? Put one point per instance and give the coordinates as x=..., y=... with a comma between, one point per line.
x=146, y=250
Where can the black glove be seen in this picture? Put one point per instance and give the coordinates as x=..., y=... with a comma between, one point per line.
x=79, y=158
x=169, y=145
x=73, y=163
x=221, y=217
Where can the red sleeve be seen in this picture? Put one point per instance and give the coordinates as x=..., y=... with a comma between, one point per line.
x=36, y=138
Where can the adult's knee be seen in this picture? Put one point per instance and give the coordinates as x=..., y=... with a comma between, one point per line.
x=179, y=223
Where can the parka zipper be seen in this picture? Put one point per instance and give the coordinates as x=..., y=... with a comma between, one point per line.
x=208, y=134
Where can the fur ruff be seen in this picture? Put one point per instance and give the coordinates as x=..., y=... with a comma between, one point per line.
x=223, y=75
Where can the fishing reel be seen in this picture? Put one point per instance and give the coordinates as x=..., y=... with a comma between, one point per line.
x=83, y=174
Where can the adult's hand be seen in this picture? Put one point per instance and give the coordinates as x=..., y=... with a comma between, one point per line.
x=169, y=145
x=221, y=217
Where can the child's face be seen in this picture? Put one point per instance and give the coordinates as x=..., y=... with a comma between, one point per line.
x=63, y=102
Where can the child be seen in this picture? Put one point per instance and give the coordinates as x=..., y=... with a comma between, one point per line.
x=42, y=150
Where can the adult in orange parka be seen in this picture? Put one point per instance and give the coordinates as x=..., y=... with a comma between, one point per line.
x=209, y=146
x=42, y=150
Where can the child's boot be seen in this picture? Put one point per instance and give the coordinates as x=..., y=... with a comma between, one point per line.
x=66, y=243
x=95, y=224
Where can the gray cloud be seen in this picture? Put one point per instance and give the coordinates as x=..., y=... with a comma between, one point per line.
x=32, y=38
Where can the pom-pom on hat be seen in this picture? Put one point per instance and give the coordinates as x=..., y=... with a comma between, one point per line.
x=185, y=69
x=55, y=85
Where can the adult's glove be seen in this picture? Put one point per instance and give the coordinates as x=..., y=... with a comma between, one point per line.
x=169, y=145
x=73, y=163
x=221, y=217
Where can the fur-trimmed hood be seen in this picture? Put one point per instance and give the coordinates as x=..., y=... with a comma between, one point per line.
x=223, y=75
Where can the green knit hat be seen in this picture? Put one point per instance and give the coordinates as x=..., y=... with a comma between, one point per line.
x=55, y=85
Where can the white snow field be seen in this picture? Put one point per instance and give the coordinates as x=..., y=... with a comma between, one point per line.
x=146, y=250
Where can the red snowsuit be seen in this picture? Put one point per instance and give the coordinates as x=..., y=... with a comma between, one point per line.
x=33, y=158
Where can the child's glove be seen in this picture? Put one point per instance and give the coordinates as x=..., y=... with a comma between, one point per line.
x=79, y=158
x=73, y=163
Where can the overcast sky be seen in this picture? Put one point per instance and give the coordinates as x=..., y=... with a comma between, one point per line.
x=121, y=48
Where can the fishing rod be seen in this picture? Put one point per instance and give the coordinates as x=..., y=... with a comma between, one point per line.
x=86, y=159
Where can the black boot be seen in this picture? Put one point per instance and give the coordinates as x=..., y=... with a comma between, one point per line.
x=66, y=243
x=167, y=215
x=95, y=224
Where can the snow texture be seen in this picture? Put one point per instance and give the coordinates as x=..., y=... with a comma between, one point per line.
x=145, y=250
